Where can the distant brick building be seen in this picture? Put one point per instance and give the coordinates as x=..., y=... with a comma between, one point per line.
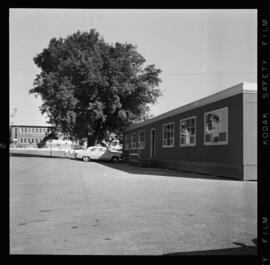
x=26, y=136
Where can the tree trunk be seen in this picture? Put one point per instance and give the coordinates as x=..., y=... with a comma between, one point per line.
x=91, y=140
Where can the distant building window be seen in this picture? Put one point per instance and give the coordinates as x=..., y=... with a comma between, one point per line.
x=141, y=139
x=21, y=140
x=216, y=127
x=126, y=142
x=188, y=132
x=25, y=140
x=168, y=135
x=29, y=140
x=16, y=133
x=133, y=141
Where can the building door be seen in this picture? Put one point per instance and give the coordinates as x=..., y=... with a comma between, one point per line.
x=153, y=143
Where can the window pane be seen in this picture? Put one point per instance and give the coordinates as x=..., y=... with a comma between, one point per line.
x=183, y=124
x=222, y=136
x=208, y=138
x=215, y=139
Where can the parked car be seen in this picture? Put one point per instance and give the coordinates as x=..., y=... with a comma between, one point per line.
x=98, y=153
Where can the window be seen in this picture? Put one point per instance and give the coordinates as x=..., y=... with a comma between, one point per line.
x=94, y=149
x=25, y=140
x=168, y=135
x=133, y=141
x=126, y=142
x=29, y=140
x=188, y=132
x=141, y=139
x=216, y=127
x=21, y=140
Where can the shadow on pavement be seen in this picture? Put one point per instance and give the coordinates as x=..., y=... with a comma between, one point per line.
x=133, y=169
x=251, y=250
x=242, y=250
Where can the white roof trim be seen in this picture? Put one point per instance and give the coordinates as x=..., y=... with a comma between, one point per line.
x=234, y=90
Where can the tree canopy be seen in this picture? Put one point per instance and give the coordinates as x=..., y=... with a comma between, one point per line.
x=90, y=88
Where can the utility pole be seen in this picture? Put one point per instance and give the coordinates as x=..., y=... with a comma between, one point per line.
x=14, y=113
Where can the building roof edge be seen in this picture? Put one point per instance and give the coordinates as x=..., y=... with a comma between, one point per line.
x=243, y=87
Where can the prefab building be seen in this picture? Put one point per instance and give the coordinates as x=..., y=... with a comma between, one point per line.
x=216, y=135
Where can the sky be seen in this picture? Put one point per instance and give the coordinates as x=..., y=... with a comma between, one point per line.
x=200, y=52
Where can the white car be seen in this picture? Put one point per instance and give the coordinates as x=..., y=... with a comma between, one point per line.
x=98, y=153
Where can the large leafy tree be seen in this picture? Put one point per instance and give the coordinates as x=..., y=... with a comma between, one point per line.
x=90, y=88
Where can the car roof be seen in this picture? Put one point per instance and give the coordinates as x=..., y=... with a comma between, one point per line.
x=96, y=146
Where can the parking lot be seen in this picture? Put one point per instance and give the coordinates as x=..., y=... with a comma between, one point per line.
x=63, y=206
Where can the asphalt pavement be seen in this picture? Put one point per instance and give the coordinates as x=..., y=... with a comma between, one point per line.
x=63, y=206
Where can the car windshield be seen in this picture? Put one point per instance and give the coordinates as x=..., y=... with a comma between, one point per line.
x=94, y=149
x=102, y=149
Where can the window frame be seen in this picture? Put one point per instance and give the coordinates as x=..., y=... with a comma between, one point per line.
x=227, y=129
x=139, y=142
x=195, y=135
x=163, y=139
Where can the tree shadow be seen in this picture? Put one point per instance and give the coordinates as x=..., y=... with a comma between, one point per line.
x=242, y=250
x=143, y=170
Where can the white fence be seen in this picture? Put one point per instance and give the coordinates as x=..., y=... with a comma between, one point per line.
x=39, y=152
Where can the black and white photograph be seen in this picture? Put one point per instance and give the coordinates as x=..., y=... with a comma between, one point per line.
x=133, y=131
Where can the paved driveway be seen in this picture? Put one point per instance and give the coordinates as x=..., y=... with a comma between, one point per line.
x=62, y=206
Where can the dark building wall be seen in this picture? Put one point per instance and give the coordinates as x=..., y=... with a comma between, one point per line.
x=219, y=159
x=250, y=136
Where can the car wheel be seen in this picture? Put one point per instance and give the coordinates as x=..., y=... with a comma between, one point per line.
x=115, y=159
x=85, y=158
